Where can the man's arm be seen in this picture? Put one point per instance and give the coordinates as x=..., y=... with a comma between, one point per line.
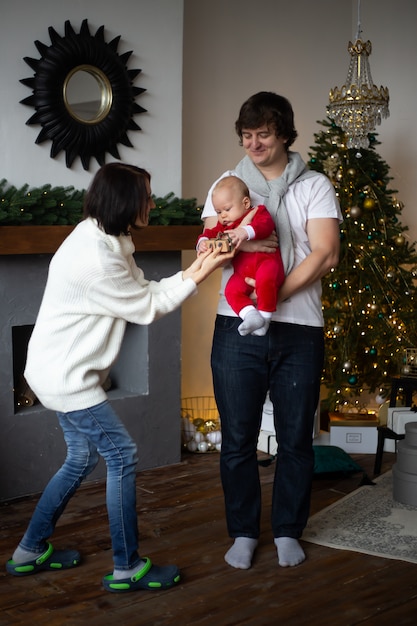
x=324, y=238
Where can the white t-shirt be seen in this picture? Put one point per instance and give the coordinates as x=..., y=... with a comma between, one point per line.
x=313, y=197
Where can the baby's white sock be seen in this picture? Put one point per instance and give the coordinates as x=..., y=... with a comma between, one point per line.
x=252, y=321
x=267, y=320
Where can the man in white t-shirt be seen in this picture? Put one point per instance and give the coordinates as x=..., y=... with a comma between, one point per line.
x=288, y=360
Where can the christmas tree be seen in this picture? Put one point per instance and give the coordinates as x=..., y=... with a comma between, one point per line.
x=369, y=299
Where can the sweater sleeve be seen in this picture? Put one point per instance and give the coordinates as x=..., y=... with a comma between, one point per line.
x=121, y=290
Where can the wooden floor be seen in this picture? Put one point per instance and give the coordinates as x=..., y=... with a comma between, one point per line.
x=182, y=521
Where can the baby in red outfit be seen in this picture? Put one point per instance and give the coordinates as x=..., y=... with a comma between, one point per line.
x=242, y=222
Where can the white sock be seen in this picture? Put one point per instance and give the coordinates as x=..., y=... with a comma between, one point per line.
x=290, y=552
x=21, y=555
x=253, y=321
x=264, y=329
x=241, y=553
x=119, y=574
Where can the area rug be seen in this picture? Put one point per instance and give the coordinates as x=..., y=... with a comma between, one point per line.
x=368, y=520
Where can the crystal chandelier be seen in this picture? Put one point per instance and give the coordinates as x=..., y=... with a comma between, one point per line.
x=358, y=106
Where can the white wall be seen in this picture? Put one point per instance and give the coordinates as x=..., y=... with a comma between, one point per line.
x=153, y=29
x=299, y=49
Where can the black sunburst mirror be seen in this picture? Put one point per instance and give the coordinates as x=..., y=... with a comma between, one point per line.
x=103, y=123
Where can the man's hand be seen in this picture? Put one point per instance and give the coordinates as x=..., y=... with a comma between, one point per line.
x=263, y=245
x=252, y=283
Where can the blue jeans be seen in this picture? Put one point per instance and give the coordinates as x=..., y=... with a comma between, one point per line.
x=89, y=433
x=287, y=361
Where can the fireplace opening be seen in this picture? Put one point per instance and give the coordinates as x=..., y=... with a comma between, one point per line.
x=128, y=377
x=23, y=395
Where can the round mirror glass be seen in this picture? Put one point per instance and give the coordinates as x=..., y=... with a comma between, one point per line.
x=87, y=94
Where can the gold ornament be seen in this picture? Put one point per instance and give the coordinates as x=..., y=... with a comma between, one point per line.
x=399, y=241
x=341, y=304
x=369, y=204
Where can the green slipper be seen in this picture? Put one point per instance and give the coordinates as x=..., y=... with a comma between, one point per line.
x=149, y=577
x=50, y=560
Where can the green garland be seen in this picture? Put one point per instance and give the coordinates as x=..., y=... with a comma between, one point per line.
x=59, y=206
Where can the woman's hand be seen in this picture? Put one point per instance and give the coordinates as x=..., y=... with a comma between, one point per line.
x=203, y=246
x=206, y=263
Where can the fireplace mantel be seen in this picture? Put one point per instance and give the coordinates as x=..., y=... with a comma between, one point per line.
x=46, y=239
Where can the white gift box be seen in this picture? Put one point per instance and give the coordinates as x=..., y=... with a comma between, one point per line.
x=267, y=441
x=398, y=417
x=354, y=433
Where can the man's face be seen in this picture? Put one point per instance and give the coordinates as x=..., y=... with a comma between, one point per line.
x=262, y=146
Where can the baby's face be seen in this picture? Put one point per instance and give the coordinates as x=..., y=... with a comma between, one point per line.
x=229, y=205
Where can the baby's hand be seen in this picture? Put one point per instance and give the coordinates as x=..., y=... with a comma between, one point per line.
x=202, y=247
x=238, y=236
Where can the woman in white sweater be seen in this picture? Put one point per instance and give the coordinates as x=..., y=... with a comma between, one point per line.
x=94, y=288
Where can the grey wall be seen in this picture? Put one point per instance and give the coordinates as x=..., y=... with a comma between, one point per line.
x=147, y=376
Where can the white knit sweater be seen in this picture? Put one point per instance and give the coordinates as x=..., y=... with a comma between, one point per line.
x=94, y=287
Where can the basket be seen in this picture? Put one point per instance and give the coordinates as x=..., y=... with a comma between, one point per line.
x=200, y=424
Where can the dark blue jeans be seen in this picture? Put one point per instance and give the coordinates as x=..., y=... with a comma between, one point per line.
x=287, y=361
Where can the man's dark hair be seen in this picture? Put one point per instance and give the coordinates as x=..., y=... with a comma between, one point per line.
x=117, y=196
x=271, y=109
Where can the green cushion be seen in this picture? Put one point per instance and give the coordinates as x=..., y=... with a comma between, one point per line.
x=331, y=459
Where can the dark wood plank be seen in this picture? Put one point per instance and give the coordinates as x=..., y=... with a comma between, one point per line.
x=46, y=239
x=182, y=520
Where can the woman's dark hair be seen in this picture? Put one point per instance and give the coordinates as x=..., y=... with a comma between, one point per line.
x=117, y=196
x=271, y=109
